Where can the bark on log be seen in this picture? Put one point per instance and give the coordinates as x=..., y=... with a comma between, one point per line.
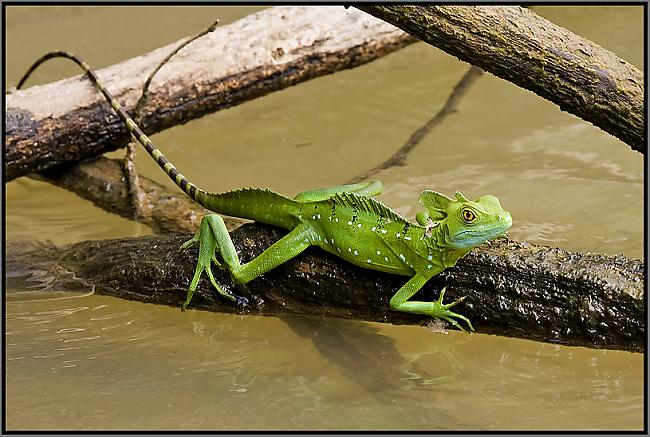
x=518, y=45
x=68, y=120
x=514, y=289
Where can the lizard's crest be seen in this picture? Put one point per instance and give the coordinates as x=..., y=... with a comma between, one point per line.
x=363, y=203
x=468, y=223
x=437, y=204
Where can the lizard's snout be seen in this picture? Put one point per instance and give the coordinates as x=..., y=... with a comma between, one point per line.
x=505, y=218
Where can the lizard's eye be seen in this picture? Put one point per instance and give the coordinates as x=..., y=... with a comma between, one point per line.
x=468, y=215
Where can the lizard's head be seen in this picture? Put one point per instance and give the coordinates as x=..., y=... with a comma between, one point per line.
x=467, y=223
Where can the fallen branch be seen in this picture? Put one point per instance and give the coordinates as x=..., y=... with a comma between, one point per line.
x=518, y=45
x=261, y=53
x=513, y=289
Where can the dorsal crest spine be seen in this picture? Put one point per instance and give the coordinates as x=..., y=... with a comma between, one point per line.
x=366, y=204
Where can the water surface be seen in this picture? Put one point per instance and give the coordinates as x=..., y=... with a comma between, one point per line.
x=75, y=360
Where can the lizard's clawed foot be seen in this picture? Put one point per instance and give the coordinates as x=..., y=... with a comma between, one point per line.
x=207, y=255
x=191, y=242
x=441, y=311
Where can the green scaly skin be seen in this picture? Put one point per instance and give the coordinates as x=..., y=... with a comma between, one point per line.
x=344, y=220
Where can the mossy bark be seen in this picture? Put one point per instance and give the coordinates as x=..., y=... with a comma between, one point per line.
x=518, y=45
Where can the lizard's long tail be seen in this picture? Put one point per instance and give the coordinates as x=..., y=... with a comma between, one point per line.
x=197, y=194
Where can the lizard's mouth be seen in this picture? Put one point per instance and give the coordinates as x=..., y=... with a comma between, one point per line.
x=472, y=237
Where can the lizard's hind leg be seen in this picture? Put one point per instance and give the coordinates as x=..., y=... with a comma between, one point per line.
x=213, y=238
x=370, y=188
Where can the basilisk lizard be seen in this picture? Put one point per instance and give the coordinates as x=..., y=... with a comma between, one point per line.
x=344, y=220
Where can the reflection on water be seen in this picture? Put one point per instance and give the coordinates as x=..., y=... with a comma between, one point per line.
x=111, y=364
x=75, y=360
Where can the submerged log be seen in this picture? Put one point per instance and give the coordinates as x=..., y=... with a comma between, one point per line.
x=102, y=181
x=68, y=120
x=518, y=45
x=513, y=289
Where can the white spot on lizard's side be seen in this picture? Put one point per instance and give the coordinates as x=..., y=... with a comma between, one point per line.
x=429, y=266
x=379, y=252
x=338, y=248
x=318, y=216
x=349, y=249
x=430, y=257
x=402, y=257
x=383, y=231
x=398, y=235
x=386, y=258
x=336, y=219
x=350, y=222
x=369, y=261
x=359, y=226
x=407, y=238
x=373, y=229
x=356, y=253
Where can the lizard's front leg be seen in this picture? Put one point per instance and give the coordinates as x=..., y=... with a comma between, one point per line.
x=213, y=237
x=400, y=302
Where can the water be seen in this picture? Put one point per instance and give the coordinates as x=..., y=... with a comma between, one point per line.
x=75, y=360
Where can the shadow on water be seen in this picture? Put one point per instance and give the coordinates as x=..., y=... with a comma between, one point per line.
x=371, y=361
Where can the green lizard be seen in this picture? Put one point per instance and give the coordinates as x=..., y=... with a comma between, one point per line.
x=344, y=220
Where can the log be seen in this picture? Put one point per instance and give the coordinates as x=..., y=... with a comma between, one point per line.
x=517, y=45
x=68, y=121
x=513, y=289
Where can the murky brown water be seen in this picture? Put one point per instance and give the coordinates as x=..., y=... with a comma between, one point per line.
x=80, y=361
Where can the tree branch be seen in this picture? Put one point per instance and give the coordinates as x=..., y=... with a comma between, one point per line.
x=518, y=45
x=264, y=52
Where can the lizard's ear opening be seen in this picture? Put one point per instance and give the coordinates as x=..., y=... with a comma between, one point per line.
x=460, y=197
x=435, y=203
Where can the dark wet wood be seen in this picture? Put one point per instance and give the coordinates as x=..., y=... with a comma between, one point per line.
x=513, y=289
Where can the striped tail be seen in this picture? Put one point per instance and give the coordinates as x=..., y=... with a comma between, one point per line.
x=189, y=188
